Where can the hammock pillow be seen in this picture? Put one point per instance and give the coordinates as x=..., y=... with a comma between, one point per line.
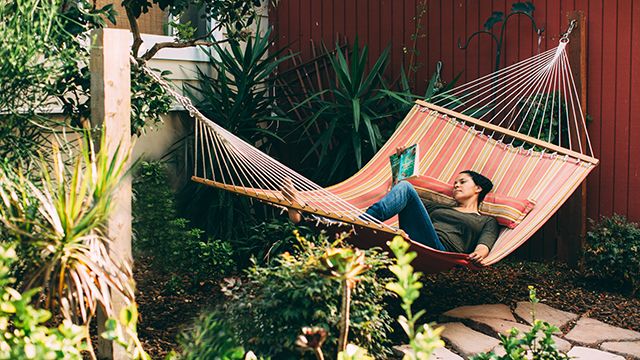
x=507, y=210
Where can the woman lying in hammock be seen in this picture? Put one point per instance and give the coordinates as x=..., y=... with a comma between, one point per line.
x=459, y=228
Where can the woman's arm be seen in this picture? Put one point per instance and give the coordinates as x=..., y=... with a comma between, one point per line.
x=486, y=240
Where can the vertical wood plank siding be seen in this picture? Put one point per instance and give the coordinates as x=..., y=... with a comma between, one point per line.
x=613, y=68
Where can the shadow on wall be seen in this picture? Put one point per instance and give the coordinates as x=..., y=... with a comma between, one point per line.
x=157, y=142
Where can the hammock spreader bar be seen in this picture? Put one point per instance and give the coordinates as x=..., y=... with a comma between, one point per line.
x=262, y=196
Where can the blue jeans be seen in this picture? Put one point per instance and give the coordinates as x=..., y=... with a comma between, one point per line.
x=404, y=201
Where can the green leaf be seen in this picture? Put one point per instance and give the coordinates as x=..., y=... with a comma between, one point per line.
x=355, y=103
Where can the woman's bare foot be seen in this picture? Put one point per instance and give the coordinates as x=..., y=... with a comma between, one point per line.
x=290, y=193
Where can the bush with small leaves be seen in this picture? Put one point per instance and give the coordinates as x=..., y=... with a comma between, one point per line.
x=267, y=240
x=208, y=338
x=612, y=252
x=424, y=340
x=277, y=300
x=23, y=329
x=176, y=247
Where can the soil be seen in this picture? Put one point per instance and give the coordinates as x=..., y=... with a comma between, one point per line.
x=166, y=310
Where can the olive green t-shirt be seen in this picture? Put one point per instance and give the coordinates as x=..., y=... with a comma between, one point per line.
x=461, y=232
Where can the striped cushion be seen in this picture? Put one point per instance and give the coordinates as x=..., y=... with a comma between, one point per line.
x=507, y=210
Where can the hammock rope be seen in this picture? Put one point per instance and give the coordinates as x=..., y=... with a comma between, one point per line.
x=492, y=125
x=238, y=166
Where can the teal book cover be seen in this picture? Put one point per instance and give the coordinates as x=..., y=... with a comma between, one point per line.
x=405, y=164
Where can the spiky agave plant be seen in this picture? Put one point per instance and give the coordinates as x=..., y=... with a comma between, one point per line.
x=63, y=217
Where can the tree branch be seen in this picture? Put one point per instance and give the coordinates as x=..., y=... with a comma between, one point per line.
x=199, y=41
x=137, y=38
x=175, y=45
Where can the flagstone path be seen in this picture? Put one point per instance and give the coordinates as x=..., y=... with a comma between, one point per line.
x=471, y=330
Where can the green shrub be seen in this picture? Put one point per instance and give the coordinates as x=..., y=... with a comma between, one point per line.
x=174, y=245
x=269, y=239
x=612, y=252
x=277, y=300
x=208, y=338
x=24, y=334
x=423, y=340
x=153, y=206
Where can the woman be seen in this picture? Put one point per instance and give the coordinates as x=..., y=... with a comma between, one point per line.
x=460, y=228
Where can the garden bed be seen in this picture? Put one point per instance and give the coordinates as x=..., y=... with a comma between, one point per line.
x=166, y=310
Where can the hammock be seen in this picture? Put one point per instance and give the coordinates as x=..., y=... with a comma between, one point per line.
x=501, y=125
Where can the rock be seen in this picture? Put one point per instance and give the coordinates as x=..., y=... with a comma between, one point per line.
x=544, y=312
x=589, y=332
x=496, y=311
x=445, y=354
x=499, y=326
x=438, y=354
x=466, y=341
x=630, y=349
x=583, y=353
x=499, y=350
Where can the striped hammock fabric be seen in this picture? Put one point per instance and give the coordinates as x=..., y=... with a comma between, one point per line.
x=516, y=114
x=449, y=146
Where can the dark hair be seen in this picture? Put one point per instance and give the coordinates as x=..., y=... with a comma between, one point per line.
x=485, y=184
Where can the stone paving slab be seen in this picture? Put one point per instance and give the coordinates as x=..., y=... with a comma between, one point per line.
x=445, y=354
x=504, y=327
x=497, y=311
x=466, y=341
x=469, y=338
x=546, y=313
x=439, y=354
x=591, y=332
x=584, y=353
x=629, y=349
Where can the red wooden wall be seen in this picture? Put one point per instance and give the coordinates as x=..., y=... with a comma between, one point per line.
x=613, y=63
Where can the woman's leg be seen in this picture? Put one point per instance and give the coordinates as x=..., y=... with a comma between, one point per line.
x=404, y=201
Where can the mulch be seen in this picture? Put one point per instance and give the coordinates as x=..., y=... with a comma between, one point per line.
x=165, y=311
x=556, y=285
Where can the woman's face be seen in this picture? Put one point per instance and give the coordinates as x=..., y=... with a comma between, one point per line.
x=464, y=187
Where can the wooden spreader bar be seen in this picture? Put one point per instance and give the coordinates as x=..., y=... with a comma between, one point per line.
x=511, y=133
x=261, y=195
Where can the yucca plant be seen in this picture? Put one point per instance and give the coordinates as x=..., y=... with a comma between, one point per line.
x=240, y=98
x=351, y=114
x=63, y=218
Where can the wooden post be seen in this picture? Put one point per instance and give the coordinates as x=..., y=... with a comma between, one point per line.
x=111, y=109
x=572, y=234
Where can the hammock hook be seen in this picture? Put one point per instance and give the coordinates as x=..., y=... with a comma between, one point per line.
x=565, y=37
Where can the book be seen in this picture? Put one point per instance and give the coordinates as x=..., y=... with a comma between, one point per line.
x=405, y=164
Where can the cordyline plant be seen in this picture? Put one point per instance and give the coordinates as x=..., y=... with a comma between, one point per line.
x=63, y=219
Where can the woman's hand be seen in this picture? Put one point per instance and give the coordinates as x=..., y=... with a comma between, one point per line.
x=479, y=254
